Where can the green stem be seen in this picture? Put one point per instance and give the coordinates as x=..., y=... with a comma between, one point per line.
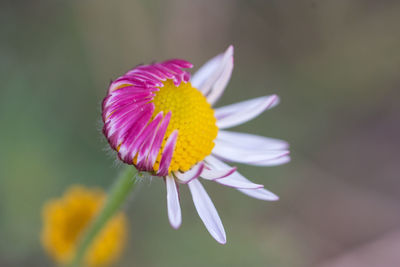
x=115, y=198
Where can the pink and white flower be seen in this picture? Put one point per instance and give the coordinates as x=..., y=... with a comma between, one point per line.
x=156, y=119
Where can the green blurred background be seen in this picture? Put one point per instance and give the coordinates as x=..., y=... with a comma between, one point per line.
x=335, y=65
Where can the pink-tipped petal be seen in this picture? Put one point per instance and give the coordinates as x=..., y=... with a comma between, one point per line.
x=167, y=154
x=259, y=193
x=235, y=181
x=214, y=174
x=235, y=114
x=229, y=152
x=207, y=212
x=213, y=70
x=191, y=174
x=174, y=208
x=227, y=177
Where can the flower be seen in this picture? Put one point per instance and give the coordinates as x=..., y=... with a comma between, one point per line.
x=65, y=219
x=162, y=121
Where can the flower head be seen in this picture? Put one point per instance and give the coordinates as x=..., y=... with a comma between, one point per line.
x=65, y=219
x=162, y=121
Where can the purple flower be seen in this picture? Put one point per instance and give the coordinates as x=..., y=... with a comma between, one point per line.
x=162, y=121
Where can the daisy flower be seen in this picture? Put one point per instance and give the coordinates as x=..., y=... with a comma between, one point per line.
x=66, y=218
x=161, y=120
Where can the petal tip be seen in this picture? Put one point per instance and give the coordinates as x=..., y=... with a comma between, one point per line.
x=274, y=198
x=275, y=100
x=230, y=49
x=222, y=241
x=175, y=224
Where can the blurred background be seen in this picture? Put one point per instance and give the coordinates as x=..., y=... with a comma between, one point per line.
x=335, y=65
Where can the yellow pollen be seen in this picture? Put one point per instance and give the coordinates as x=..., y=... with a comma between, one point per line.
x=194, y=119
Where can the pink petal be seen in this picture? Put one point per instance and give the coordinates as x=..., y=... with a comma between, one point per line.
x=191, y=174
x=167, y=154
x=186, y=77
x=124, y=132
x=235, y=114
x=151, y=131
x=134, y=138
x=145, y=76
x=127, y=109
x=181, y=63
x=174, y=208
x=114, y=85
x=173, y=68
x=155, y=147
x=123, y=112
x=165, y=71
x=153, y=71
x=117, y=107
x=125, y=80
x=207, y=212
x=121, y=124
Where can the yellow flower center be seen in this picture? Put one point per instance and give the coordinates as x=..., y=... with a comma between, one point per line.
x=194, y=119
x=66, y=218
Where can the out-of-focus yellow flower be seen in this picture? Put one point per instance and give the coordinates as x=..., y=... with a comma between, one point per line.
x=66, y=218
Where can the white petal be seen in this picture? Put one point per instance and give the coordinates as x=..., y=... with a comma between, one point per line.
x=231, y=177
x=260, y=193
x=234, y=180
x=205, y=71
x=213, y=70
x=191, y=174
x=216, y=163
x=235, y=114
x=220, y=84
x=273, y=162
x=251, y=141
x=174, y=208
x=251, y=149
x=213, y=174
x=254, y=156
x=207, y=212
